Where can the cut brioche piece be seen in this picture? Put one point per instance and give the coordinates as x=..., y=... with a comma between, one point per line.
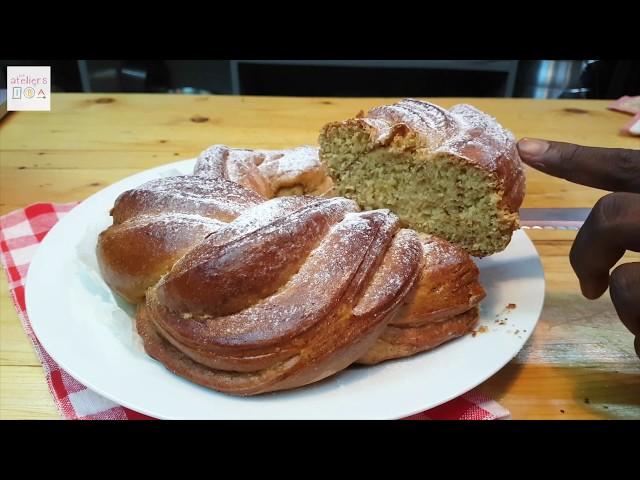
x=453, y=173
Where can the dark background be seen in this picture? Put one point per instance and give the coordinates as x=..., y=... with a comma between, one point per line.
x=604, y=79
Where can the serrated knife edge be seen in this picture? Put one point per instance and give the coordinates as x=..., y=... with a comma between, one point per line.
x=553, y=218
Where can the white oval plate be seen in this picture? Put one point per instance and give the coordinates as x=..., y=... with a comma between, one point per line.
x=90, y=333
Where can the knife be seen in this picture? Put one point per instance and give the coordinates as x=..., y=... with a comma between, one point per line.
x=553, y=218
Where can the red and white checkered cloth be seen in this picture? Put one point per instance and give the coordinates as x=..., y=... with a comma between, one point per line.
x=22, y=231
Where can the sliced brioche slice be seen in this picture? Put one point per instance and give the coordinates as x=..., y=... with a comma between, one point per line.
x=452, y=173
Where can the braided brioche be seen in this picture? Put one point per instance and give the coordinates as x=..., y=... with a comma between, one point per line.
x=246, y=291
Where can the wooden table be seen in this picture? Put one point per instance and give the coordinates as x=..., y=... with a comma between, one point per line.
x=579, y=363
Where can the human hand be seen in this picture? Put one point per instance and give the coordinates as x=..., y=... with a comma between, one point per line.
x=612, y=227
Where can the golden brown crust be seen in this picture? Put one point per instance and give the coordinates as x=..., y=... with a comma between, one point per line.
x=447, y=287
x=254, y=295
x=403, y=341
x=133, y=255
x=301, y=341
x=287, y=373
x=157, y=222
x=221, y=276
x=212, y=198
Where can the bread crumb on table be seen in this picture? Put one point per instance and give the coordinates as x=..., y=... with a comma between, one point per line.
x=481, y=329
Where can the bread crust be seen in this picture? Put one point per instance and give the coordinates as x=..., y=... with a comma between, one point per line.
x=260, y=294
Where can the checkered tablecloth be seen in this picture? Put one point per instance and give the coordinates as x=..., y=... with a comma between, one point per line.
x=22, y=231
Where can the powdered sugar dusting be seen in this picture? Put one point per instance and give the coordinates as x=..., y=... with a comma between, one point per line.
x=396, y=274
x=254, y=219
x=170, y=229
x=172, y=221
x=310, y=296
x=288, y=163
x=198, y=191
x=478, y=132
x=265, y=171
x=211, y=162
x=267, y=212
x=462, y=130
x=187, y=194
x=438, y=250
x=435, y=124
x=233, y=268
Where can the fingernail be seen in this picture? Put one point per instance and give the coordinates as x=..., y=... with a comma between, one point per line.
x=532, y=147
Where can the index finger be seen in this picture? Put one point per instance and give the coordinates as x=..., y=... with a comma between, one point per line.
x=613, y=169
x=612, y=228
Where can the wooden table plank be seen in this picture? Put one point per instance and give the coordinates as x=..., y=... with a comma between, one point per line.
x=24, y=394
x=188, y=124
x=579, y=351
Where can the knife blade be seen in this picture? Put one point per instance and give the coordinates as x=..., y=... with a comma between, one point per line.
x=553, y=218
